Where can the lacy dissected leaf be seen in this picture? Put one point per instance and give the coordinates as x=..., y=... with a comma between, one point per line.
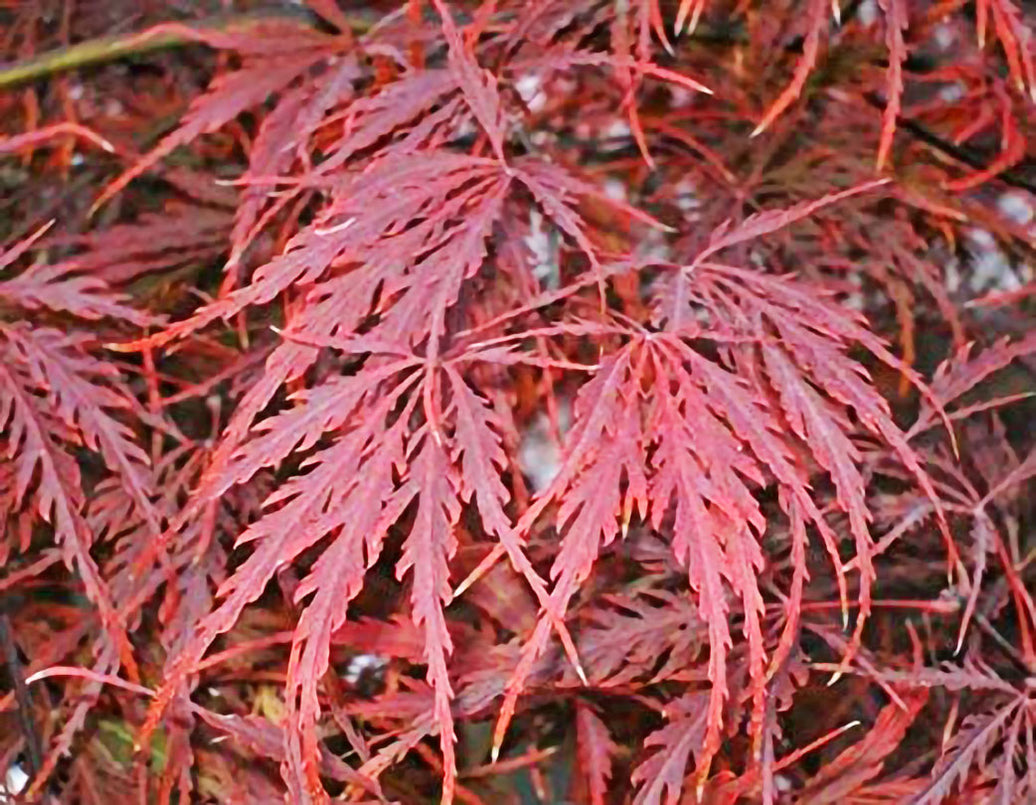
x=764, y=223
x=594, y=749
x=280, y=139
x=181, y=235
x=61, y=289
x=986, y=744
x=816, y=18
x=84, y=392
x=363, y=224
x=445, y=324
x=349, y=492
x=896, y=22
x=965, y=370
x=480, y=458
x=716, y=436
x=699, y=476
x=603, y=450
x=322, y=499
x=264, y=72
x=267, y=740
x=334, y=580
x=863, y=761
x=968, y=751
x=1015, y=39
x=815, y=336
x=403, y=108
x=433, y=256
x=626, y=640
x=660, y=776
x=426, y=554
x=477, y=85
x=30, y=425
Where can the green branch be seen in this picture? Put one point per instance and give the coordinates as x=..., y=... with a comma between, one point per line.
x=119, y=46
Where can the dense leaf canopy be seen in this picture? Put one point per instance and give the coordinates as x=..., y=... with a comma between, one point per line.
x=561, y=400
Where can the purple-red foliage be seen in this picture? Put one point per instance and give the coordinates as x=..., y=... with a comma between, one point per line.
x=555, y=400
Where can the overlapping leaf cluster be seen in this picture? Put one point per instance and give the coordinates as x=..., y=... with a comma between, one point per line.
x=560, y=410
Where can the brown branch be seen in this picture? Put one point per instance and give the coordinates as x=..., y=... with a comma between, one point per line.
x=33, y=747
x=961, y=154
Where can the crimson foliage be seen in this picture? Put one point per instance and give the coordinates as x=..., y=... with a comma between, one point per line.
x=615, y=400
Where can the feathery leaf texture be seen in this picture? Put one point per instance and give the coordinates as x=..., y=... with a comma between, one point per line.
x=470, y=364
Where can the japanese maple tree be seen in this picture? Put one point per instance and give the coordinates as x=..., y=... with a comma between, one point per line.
x=563, y=400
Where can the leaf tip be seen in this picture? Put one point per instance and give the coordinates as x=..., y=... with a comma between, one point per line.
x=960, y=638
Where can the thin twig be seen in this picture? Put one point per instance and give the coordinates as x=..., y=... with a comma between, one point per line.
x=33, y=747
x=962, y=154
x=119, y=46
